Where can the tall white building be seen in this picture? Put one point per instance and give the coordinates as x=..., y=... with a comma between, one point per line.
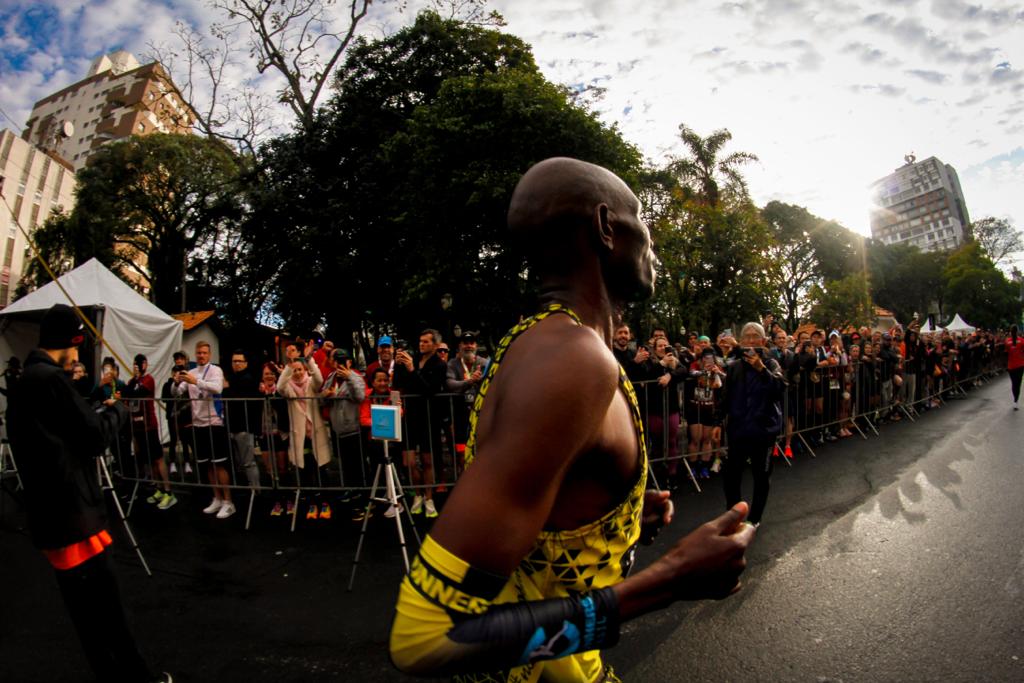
x=34, y=183
x=921, y=203
x=117, y=98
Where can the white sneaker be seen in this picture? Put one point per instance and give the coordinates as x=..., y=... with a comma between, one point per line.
x=417, y=505
x=174, y=468
x=393, y=510
x=431, y=510
x=226, y=510
x=188, y=468
x=214, y=506
x=167, y=501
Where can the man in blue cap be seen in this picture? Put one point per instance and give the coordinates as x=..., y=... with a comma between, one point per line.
x=57, y=438
x=385, y=358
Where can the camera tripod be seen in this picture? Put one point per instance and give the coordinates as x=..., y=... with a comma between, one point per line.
x=7, y=463
x=107, y=484
x=393, y=494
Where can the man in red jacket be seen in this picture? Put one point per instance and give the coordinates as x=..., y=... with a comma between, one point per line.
x=1015, y=362
x=146, y=431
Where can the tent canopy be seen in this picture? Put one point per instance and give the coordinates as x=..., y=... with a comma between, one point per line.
x=957, y=324
x=129, y=323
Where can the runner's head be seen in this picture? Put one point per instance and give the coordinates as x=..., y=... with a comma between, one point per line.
x=571, y=217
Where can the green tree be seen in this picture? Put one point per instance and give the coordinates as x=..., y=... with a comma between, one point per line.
x=843, y=302
x=793, y=253
x=808, y=251
x=705, y=170
x=145, y=206
x=710, y=239
x=998, y=237
x=396, y=196
x=906, y=280
x=979, y=291
x=61, y=246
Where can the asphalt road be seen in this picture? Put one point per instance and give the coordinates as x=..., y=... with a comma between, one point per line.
x=896, y=558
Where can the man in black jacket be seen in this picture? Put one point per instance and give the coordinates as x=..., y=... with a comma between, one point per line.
x=751, y=407
x=245, y=410
x=179, y=417
x=57, y=438
x=889, y=360
x=420, y=378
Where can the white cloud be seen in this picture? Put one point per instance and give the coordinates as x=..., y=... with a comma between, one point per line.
x=830, y=96
x=875, y=91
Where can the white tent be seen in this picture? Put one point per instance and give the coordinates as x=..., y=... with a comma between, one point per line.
x=957, y=324
x=927, y=327
x=129, y=323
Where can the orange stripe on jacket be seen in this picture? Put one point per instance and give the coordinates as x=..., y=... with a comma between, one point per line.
x=75, y=554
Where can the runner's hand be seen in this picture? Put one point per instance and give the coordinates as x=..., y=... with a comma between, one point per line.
x=658, y=512
x=707, y=562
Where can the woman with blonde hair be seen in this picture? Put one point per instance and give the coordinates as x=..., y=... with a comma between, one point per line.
x=309, y=443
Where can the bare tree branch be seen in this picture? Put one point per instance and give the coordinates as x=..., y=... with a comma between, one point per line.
x=198, y=68
x=997, y=237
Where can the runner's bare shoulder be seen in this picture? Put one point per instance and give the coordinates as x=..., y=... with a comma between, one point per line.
x=555, y=368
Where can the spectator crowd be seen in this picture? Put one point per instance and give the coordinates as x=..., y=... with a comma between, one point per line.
x=298, y=432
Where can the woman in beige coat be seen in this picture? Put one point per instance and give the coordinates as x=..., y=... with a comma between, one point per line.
x=301, y=381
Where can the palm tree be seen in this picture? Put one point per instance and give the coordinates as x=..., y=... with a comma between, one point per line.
x=702, y=168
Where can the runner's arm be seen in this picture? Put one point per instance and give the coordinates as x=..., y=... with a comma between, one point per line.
x=444, y=621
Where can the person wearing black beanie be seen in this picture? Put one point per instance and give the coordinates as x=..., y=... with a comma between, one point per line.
x=56, y=437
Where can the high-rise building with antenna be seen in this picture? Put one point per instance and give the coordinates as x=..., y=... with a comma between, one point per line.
x=920, y=203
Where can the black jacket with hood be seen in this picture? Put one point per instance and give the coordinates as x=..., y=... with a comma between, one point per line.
x=55, y=437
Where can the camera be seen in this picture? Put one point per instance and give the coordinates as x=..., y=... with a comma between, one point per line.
x=401, y=345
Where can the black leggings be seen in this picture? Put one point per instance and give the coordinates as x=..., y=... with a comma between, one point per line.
x=759, y=450
x=1015, y=376
x=94, y=605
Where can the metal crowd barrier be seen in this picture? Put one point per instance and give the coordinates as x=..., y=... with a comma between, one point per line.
x=819, y=404
x=254, y=445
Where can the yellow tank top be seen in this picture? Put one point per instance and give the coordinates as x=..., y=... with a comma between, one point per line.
x=596, y=555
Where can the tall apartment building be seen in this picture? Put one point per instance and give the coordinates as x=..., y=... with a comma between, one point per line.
x=117, y=98
x=34, y=182
x=921, y=203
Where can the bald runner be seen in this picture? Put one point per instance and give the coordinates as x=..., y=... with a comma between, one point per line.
x=526, y=574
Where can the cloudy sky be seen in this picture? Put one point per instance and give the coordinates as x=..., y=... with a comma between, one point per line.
x=829, y=95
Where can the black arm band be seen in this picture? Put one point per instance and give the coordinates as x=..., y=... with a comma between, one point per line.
x=524, y=632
